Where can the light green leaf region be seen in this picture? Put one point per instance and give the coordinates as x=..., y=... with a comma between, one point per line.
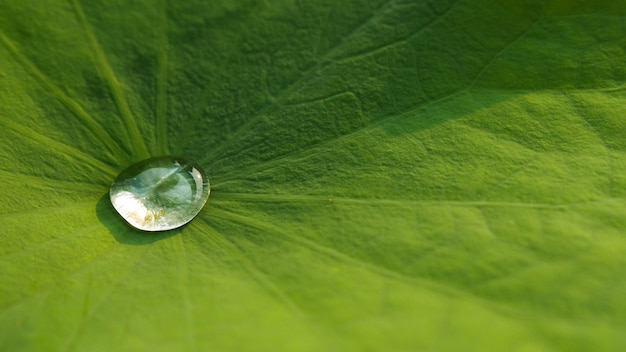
x=387, y=175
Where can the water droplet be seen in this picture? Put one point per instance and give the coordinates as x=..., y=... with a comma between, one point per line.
x=160, y=193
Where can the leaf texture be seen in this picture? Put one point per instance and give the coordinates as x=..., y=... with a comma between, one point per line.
x=387, y=175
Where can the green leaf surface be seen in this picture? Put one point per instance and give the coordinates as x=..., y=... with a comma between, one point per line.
x=387, y=175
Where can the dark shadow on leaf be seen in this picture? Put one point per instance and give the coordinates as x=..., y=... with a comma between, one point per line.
x=122, y=231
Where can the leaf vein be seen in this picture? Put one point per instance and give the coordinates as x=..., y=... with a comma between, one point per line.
x=53, y=145
x=114, y=85
x=262, y=279
x=73, y=106
x=322, y=62
x=161, y=99
x=303, y=152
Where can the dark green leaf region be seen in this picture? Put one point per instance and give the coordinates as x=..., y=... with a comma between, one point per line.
x=386, y=175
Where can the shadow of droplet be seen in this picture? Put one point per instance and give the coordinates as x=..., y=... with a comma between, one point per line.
x=121, y=230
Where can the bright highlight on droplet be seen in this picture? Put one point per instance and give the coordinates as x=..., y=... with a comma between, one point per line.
x=160, y=193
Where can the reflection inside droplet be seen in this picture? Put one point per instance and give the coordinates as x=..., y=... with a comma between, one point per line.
x=160, y=193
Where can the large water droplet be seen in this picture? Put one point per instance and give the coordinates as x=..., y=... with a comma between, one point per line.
x=160, y=193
